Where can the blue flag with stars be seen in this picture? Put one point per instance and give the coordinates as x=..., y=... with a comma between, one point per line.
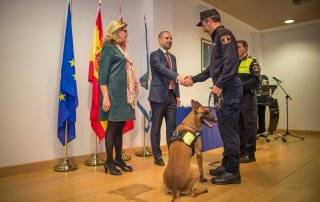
x=68, y=96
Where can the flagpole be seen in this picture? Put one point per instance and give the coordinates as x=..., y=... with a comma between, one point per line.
x=125, y=157
x=65, y=165
x=120, y=9
x=94, y=160
x=145, y=151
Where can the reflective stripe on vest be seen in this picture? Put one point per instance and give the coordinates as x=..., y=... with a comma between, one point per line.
x=244, y=67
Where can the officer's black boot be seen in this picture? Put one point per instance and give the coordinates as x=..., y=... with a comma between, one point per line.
x=248, y=158
x=227, y=178
x=216, y=171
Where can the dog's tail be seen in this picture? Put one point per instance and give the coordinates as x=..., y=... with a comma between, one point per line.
x=175, y=195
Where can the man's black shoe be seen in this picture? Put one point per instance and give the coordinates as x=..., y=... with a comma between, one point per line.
x=216, y=171
x=159, y=162
x=227, y=178
x=248, y=158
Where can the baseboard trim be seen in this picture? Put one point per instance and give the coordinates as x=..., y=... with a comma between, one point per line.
x=301, y=132
x=49, y=164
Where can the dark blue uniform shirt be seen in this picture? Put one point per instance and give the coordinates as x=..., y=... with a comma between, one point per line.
x=224, y=59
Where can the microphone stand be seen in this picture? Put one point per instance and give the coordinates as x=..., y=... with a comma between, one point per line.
x=287, y=133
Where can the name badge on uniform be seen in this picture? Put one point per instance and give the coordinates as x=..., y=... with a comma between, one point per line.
x=256, y=69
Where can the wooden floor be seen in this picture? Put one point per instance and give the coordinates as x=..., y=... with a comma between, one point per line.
x=283, y=172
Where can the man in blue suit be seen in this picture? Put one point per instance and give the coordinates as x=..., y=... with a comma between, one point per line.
x=164, y=95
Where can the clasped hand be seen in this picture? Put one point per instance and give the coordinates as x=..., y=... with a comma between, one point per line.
x=185, y=80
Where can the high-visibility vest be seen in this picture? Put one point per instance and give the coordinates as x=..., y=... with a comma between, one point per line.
x=244, y=67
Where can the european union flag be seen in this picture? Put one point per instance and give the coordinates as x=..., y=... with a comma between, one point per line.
x=68, y=96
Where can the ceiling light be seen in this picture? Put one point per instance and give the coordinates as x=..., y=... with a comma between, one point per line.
x=289, y=21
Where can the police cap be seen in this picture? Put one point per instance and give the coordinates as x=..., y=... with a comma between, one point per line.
x=213, y=13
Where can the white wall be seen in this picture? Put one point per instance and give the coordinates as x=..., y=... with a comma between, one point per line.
x=30, y=53
x=292, y=55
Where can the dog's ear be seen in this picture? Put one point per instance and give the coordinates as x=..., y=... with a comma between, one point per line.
x=195, y=106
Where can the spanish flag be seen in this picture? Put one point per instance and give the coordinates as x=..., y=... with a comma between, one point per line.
x=98, y=126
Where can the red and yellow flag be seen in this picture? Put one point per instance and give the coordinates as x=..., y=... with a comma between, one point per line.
x=99, y=127
x=128, y=126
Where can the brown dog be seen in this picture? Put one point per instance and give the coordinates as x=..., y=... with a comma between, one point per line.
x=179, y=178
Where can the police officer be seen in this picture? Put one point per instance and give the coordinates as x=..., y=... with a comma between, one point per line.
x=223, y=70
x=249, y=73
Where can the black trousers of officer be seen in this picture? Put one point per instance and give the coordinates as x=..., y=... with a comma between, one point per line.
x=261, y=118
x=248, y=123
x=228, y=117
x=168, y=110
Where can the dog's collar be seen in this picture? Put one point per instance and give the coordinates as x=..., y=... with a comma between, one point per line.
x=192, y=127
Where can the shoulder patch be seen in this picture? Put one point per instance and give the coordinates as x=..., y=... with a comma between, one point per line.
x=256, y=69
x=225, y=39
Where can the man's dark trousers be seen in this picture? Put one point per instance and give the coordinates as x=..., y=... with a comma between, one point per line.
x=168, y=110
x=228, y=117
x=248, y=123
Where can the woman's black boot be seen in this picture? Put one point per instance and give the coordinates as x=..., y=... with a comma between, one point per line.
x=122, y=165
x=113, y=170
x=118, y=147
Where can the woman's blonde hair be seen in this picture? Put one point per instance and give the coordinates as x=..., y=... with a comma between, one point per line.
x=112, y=30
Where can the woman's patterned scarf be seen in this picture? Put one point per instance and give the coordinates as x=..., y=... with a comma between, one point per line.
x=132, y=81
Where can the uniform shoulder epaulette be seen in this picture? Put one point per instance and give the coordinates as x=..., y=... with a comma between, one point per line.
x=250, y=56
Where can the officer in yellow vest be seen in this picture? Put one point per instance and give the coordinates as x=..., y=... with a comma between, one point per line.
x=249, y=73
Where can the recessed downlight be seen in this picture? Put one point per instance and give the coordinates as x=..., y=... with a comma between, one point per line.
x=289, y=21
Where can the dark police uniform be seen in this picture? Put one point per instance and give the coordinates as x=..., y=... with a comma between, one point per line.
x=262, y=99
x=249, y=73
x=223, y=70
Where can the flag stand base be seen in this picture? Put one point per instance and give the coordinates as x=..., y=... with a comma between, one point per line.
x=144, y=152
x=94, y=161
x=65, y=166
x=126, y=157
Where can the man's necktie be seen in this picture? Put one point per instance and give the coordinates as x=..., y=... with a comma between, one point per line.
x=171, y=82
x=168, y=59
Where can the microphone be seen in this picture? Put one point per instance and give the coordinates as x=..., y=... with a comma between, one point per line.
x=275, y=78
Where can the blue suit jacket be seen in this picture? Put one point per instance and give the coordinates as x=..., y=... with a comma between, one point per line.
x=161, y=74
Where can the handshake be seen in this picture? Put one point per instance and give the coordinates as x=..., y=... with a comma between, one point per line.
x=185, y=80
